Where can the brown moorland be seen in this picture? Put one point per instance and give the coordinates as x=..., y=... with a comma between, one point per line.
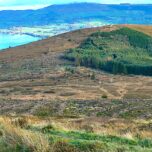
x=36, y=71
x=40, y=90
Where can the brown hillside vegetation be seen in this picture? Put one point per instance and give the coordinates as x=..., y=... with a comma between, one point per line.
x=142, y=28
x=36, y=72
x=54, y=44
x=49, y=104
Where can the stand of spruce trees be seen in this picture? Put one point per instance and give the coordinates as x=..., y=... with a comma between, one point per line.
x=123, y=51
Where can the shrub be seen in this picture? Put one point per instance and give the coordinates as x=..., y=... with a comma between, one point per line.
x=104, y=96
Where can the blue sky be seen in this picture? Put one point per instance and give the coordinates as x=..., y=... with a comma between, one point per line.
x=24, y=4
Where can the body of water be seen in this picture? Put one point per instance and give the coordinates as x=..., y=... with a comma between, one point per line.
x=12, y=40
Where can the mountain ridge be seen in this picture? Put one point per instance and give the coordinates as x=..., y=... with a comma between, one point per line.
x=114, y=14
x=35, y=49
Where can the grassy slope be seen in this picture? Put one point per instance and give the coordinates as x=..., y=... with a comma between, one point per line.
x=75, y=105
x=33, y=134
x=56, y=44
x=142, y=28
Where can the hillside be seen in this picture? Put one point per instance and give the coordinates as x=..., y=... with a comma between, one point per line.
x=121, y=51
x=114, y=14
x=145, y=29
x=48, y=103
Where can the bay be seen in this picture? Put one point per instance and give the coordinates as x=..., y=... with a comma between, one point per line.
x=12, y=40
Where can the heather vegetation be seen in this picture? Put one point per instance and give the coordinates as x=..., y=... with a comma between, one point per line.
x=121, y=51
x=47, y=104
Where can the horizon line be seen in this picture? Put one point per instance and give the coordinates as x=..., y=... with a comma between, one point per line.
x=36, y=7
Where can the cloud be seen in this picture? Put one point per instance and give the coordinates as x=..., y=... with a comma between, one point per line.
x=33, y=7
x=36, y=3
x=23, y=3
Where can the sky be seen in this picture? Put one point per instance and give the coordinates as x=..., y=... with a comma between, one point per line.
x=35, y=4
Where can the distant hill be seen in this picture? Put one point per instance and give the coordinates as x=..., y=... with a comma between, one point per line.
x=68, y=13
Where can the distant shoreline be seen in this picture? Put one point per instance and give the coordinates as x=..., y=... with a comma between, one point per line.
x=29, y=34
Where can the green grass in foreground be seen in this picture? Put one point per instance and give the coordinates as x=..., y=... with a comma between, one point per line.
x=90, y=142
x=122, y=51
x=50, y=138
